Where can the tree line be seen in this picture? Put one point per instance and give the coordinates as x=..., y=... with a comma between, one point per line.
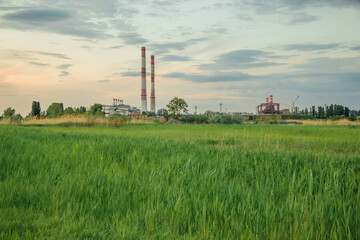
x=332, y=111
x=53, y=111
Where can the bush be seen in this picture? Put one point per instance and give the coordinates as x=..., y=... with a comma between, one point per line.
x=335, y=118
x=187, y=118
x=352, y=118
x=225, y=119
x=200, y=118
x=297, y=117
x=237, y=118
x=212, y=117
x=18, y=117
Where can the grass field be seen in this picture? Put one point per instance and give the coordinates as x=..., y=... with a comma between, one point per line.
x=157, y=181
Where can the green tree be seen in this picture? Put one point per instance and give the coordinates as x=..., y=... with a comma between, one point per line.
x=306, y=111
x=69, y=111
x=54, y=110
x=177, y=105
x=9, y=113
x=346, y=112
x=96, y=110
x=35, y=109
x=331, y=111
x=18, y=117
x=313, y=111
x=80, y=110
x=42, y=115
x=321, y=112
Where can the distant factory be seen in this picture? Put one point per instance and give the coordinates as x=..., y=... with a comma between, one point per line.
x=269, y=107
x=118, y=107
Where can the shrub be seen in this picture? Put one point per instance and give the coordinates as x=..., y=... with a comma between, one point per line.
x=237, y=118
x=352, y=118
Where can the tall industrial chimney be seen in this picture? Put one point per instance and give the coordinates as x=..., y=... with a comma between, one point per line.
x=143, y=81
x=152, y=96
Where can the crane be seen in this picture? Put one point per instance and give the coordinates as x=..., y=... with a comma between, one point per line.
x=293, y=104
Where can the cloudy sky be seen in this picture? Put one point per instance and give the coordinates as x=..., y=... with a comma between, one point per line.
x=236, y=52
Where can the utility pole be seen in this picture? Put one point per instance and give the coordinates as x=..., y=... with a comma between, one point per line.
x=195, y=110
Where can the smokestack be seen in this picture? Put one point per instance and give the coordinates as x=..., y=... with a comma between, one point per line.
x=152, y=96
x=143, y=81
x=267, y=100
x=271, y=98
x=113, y=101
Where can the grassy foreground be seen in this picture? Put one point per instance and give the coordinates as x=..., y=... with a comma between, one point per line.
x=160, y=181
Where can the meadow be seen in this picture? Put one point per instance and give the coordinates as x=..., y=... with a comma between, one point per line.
x=158, y=181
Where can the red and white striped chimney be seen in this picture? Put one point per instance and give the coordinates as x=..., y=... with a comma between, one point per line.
x=271, y=98
x=143, y=81
x=267, y=100
x=152, y=96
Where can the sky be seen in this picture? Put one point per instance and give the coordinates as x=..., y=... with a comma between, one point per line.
x=235, y=52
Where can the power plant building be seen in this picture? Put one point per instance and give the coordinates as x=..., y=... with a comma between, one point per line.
x=119, y=108
x=269, y=107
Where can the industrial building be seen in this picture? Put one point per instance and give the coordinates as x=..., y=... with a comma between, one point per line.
x=119, y=108
x=269, y=107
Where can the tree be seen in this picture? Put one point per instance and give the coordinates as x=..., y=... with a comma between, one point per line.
x=80, y=110
x=42, y=115
x=177, y=105
x=306, y=111
x=313, y=111
x=346, y=112
x=321, y=112
x=18, y=117
x=9, y=113
x=35, y=109
x=96, y=110
x=331, y=111
x=54, y=110
x=69, y=111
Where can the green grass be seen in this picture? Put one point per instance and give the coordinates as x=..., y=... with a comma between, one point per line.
x=180, y=182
